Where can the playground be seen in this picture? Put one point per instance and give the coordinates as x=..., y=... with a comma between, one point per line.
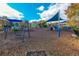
x=55, y=36
x=18, y=39
x=40, y=40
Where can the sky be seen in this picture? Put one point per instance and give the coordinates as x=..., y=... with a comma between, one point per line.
x=33, y=11
x=30, y=10
x=6, y=10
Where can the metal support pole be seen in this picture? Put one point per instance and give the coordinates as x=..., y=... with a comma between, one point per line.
x=59, y=30
x=28, y=30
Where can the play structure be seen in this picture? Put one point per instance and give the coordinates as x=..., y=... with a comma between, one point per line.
x=15, y=26
x=60, y=24
x=57, y=27
x=20, y=27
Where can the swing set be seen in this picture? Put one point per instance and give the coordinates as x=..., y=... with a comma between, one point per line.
x=13, y=25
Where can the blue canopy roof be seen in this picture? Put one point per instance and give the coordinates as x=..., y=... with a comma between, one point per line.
x=54, y=18
x=14, y=20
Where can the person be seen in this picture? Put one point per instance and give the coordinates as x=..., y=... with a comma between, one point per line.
x=5, y=26
x=5, y=29
x=50, y=28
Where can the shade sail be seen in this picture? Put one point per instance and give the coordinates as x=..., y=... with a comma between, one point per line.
x=14, y=20
x=55, y=18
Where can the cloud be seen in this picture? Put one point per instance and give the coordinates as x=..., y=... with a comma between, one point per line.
x=47, y=14
x=6, y=10
x=53, y=9
x=41, y=8
x=34, y=20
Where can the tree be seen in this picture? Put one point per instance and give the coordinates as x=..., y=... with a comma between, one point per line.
x=73, y=14
x=42, y=23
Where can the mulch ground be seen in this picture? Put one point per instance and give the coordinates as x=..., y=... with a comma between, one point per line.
x=40, y=40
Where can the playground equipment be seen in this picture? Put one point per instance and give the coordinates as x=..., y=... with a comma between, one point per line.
x=57, y=27
x=14, y=25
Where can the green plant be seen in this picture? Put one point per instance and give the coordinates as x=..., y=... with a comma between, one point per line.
x=75, y=28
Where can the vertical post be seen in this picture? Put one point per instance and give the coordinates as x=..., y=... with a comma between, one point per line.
x=28, y=29
x=59, y=30
x=5, y=26
x=5, y=33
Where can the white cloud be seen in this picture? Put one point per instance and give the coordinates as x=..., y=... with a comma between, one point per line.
x=53, y=9
x=6, y=10
x=41, y=8
x=34, y=20
x=47, y=14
